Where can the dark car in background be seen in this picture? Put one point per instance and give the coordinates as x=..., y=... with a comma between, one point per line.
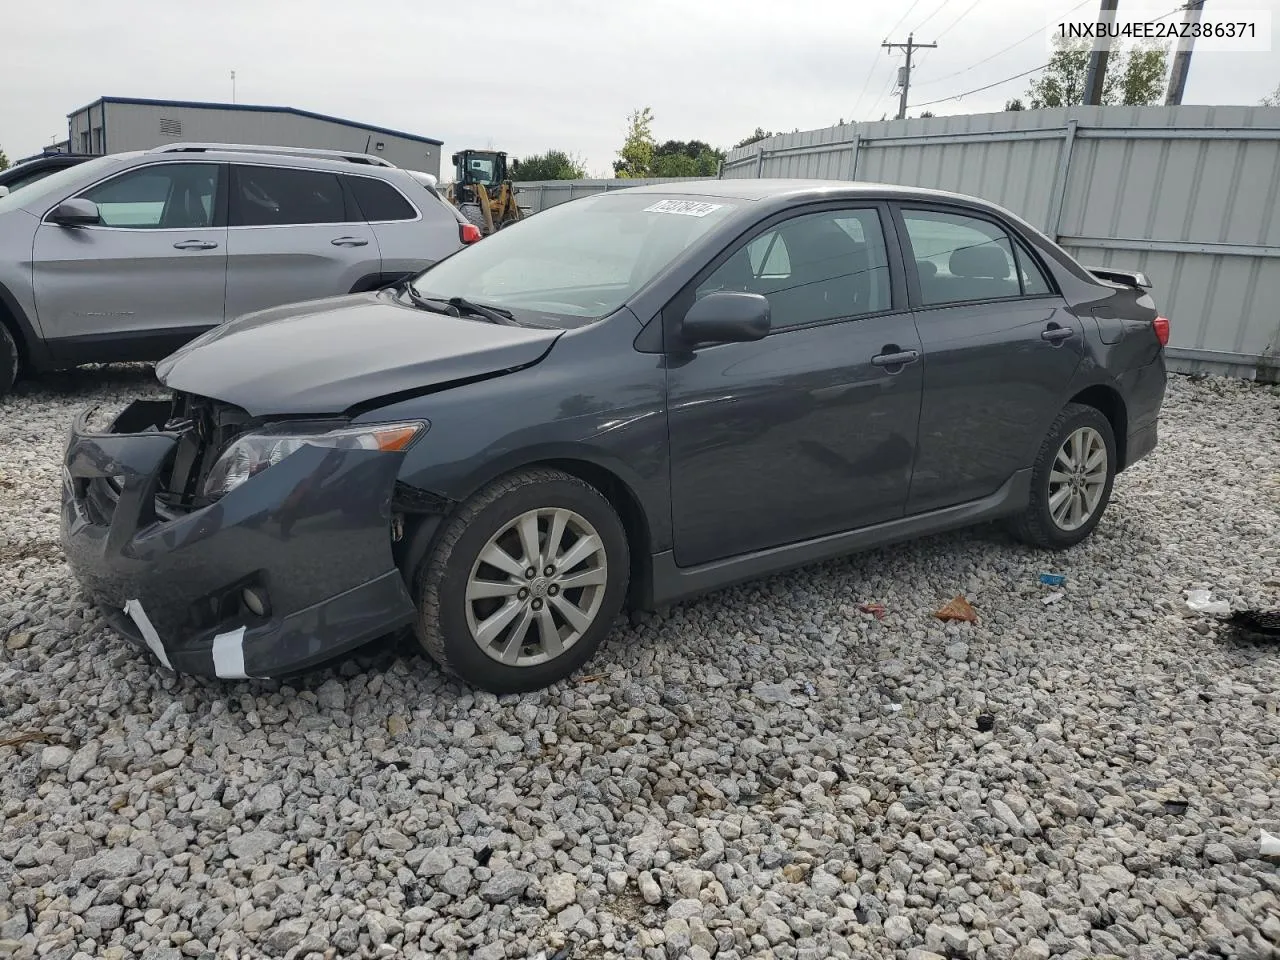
x=32, y=169
x=631, y=398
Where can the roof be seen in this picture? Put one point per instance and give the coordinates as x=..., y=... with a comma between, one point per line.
x=258, y=108
x=764, y=189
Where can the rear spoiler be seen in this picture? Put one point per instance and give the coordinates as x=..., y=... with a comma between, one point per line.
x=1130, y=278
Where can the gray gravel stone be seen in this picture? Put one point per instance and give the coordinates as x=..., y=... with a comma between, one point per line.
x=504, y=886
x=734, y=783
x=560, y=891
x=897, y=928
x=54, y=758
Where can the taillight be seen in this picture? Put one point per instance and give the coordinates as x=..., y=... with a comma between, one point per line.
x=469, y=232
x=1161, y=325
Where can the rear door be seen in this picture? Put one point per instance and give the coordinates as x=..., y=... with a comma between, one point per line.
x=414, y=228
x=148, y=278
x=295, y=234
x=1000, y=352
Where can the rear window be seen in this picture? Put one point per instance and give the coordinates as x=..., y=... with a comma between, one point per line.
x=379, y=201
x=276, y=196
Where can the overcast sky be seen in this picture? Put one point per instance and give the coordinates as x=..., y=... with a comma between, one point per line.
x=528, y=76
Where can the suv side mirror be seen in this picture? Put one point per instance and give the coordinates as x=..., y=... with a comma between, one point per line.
x=76, y=212
x=727, y=316
x=4, y=191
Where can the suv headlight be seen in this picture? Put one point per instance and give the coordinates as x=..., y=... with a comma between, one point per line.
x=252, y=453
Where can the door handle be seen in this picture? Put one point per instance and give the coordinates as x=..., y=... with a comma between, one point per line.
x=194, y=245
x=895, y=359
x=350, y=242
x=1056, y=334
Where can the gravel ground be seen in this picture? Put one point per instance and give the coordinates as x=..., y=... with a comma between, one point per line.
x=764, y=772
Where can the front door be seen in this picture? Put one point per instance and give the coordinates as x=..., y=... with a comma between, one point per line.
x=1001, y=351
x=147, y=279
x=295, y=235
x=808, y=431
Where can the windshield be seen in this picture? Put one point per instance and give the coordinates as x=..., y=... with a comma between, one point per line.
x=479, y=169
x=64, y=179
x=580, y=259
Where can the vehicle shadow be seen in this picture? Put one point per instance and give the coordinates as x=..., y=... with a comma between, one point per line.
x=78, y=381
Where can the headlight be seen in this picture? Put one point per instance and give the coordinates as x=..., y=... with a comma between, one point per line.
x=254, y=452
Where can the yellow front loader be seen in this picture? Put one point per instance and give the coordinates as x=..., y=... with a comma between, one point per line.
x=482, y=191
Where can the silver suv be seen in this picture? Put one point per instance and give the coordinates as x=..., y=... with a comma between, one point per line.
x=128, y=256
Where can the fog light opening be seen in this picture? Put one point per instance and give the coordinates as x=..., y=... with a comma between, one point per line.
x=255, y=600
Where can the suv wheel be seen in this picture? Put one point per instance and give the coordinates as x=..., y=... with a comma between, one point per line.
x=8, y=360
x=1071, y=481
x=524, y=582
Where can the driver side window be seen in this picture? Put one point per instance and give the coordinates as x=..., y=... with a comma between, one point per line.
x=815, y=267
x=161, y=196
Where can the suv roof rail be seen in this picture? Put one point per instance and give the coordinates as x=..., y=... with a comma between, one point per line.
x=315, y=152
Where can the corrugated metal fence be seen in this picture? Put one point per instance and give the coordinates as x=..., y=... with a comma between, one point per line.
x=1185, y=194
x=535, y=195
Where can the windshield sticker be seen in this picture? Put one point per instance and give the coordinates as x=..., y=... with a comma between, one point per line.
x=685, y=208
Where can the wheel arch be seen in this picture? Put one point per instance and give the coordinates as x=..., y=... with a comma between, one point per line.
x=1108, y=401
x=32, y=354
x=621, y=495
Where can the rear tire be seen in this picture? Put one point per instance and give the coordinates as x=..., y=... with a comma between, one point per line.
x=9, y=361
x=474, y=215
x=515, y=627
x=1071, y=480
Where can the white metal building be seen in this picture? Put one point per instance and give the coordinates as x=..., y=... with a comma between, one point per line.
x=117, y=124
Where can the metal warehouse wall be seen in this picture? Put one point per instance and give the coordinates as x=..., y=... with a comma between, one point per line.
x=137, y=127
x=1186, y=194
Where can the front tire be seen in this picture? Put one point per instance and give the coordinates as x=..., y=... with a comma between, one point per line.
x=1071, y=480
x=524, y=582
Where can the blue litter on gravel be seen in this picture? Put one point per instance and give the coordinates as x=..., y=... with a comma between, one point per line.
x=1053, y=579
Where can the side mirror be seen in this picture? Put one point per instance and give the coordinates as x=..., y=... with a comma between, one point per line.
x=727, y=316
x=76, y=213
x=4, y=191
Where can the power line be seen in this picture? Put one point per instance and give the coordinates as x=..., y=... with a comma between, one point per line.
x=936, y=11
x=1024, y=73
x=891, y=30
x=1036, y=32
x=957, y=20
x=1017, y=43
x=866, y=84
x=959, y=96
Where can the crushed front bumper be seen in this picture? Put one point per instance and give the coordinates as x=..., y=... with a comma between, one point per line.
x=310, y=537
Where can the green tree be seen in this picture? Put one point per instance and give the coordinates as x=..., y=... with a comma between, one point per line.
x=760, y=134
x=686, y=158
x=1134, y=77
x=927, y=113
x=4, y=161
x=1272, y=99
x=552, y=165
x=1015, y=104
x=635, y=159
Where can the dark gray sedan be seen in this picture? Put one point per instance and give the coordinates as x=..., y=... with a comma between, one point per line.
x=624, y=400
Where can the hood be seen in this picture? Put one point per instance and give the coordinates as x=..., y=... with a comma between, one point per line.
x=325, y=356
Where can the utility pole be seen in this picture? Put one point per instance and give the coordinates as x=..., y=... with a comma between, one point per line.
x=1093, y=80
x=910, y=47
x=1182, y=59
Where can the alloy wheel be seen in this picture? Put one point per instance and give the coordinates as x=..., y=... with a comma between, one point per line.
x=536, y=587
x=1078, y=479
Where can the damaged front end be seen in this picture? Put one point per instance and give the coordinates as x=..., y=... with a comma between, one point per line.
x=234, y=547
